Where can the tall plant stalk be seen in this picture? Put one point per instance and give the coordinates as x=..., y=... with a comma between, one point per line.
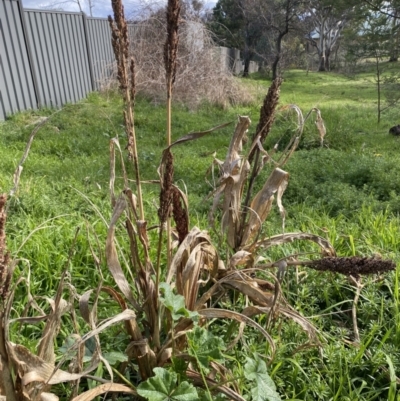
x=170, y=56
x=126, y=79
x=7, y=387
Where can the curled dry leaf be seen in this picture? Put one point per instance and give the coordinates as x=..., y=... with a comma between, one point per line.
x=31, y=368
x=234, y=172
x=327, y=248
x=262, y=203
x=240, y=258
x=48, y=397
x=210, y=261
x=111, y=253
x=196, y=135
x=103, y=389
x=250, y=288
x=231, y=165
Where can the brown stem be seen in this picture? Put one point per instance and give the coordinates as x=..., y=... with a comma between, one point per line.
x=6, y=379
x=359, y=287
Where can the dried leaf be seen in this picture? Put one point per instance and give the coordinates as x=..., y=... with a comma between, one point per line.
x=182, y=255
x=250, y=288
x=327, y=248
x=262, y=203
x=196, y=135
x=240, y=258
x=235, y=147
x=53, y=323
x=48, y=397
x=111, y=253
x=290, y=313
x=102, y=389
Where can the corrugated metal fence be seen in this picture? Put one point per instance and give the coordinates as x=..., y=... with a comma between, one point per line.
x=49, y=58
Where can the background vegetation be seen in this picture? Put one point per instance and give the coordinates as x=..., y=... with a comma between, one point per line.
x=347, y=191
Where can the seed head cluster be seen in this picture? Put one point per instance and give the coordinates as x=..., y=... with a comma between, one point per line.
x=267, y=113
x=171, y=44
x=354, y=266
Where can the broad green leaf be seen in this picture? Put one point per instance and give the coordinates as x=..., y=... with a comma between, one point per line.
x=175, y=303
x=163, y=387
x=114, y=357
x=264, y=388
x=205, y=347
x=205, y=396
x=179, y=366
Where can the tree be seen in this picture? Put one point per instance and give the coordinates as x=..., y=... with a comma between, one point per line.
x=326, y=20
x=279, y=18
x=375, y=41
x=390, y=9
x=252, y=25
x=236, y=24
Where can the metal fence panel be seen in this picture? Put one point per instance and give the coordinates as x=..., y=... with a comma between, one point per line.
x=49, y=58
x=17, y=90
x=100, y=48
x=59, y=55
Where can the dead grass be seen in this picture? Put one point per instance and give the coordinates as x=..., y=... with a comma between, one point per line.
x=200, y=75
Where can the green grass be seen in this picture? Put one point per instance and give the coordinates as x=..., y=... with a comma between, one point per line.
x=348, y=192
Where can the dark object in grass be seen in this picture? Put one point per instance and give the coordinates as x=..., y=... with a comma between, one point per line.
x=395, y=130
x=353, y=266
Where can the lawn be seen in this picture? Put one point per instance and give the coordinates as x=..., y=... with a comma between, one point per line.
x=347, y=191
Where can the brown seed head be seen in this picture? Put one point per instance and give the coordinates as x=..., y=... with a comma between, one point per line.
x=267, y=113
x=180, y=215
x=171, y=44
x=166, y=176
x=354, y=266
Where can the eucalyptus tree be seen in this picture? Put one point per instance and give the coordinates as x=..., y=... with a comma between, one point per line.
x=257, y=27
x=327, y=19
x=278, y=19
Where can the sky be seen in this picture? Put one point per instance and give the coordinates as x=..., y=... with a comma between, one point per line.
x=101, y=8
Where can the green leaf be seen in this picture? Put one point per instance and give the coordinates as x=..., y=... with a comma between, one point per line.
x=205, y=347
x=175, y=303
x=114, y=357
x=179, y=366
x=264, y=388
x=163, y=387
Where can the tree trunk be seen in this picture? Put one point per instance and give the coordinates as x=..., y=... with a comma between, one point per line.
x=278, y=54
x=327, y=60
x=247, y=58
x=322, y=63
x=275, y=64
